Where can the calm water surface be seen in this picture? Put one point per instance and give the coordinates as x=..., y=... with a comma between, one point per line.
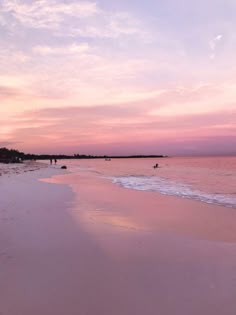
x=207, y=179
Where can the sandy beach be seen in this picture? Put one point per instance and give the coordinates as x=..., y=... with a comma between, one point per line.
x=76, y=245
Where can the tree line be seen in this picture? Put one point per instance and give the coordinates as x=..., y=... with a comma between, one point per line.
x=15, y=156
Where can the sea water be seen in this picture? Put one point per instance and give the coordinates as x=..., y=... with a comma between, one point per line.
x=207, y=179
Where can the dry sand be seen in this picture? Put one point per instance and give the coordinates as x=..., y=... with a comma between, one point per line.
x=97, y=249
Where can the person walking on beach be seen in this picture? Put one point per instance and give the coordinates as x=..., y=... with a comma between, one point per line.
x=50, y=161
x=55, y=160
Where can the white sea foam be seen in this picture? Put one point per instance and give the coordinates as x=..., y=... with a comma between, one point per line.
x=168, y=187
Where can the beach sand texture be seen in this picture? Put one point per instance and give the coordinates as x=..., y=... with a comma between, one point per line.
x=76, y=245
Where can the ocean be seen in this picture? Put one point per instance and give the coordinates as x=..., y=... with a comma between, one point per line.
x=207, y=179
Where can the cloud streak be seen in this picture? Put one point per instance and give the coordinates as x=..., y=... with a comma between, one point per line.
x=71, y=49
x=214, y=43
x=47, y=13
x=84, y=19
x=8, y=92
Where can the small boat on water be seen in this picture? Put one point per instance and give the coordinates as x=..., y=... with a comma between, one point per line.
x=107, y=159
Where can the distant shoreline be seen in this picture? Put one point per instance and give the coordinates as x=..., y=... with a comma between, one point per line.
x=122, y=157
x=14, y=156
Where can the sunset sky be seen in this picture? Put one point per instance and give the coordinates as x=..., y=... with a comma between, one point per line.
x=118, y=77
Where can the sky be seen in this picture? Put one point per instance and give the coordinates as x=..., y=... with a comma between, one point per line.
x=118, y=77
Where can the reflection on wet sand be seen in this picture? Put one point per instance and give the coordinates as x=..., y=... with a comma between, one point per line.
x=101, y=218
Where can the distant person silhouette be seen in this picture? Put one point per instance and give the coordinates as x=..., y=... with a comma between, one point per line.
x=50, y=161
x=55, y=160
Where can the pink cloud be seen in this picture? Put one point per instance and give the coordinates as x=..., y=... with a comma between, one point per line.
x=120, y=130
x=8, y=92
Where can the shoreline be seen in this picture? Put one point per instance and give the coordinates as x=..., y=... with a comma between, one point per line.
x=77, y=244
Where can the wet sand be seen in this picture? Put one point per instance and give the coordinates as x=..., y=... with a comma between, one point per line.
x=8, y=170
x=81, y=245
